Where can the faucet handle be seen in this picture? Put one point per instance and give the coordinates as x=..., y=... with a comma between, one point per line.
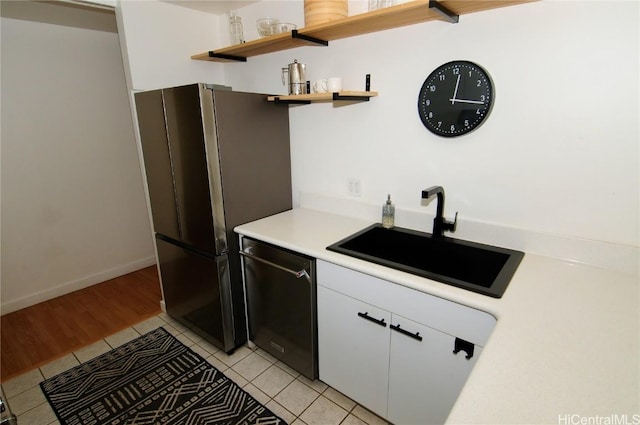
x=450, y=226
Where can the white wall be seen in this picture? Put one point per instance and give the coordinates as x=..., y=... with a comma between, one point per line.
x=559, y=153
x=73, y=208
x=158, y=40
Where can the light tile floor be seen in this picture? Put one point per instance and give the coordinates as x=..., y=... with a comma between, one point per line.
x=288, y=394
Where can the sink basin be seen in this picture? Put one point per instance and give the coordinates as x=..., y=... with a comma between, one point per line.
x=480, y=268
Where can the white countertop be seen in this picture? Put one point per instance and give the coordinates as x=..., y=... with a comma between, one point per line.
x=566, y=344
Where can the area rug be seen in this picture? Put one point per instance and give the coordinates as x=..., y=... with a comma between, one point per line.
x=154, y=379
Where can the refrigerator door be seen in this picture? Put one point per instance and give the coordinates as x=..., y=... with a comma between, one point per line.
x=254, y=156
x=176, y=163
x=248, y=152
x=197, y=292
x=157, y=159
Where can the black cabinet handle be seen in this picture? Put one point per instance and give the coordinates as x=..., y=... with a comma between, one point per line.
x=462, y=345
x=380, y=322
x=397, y=328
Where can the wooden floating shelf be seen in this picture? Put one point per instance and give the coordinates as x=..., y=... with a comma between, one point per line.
x=400, y=15
x=324, y=97
x=274, y=43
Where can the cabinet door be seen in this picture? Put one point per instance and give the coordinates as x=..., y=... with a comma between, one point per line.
x=425, y=377
x=353, y=348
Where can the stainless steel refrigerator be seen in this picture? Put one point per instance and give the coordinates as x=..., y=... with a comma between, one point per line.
x=214, y=159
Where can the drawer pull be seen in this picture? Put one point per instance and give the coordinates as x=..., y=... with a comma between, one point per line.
x=380, y=322
x=415, y=336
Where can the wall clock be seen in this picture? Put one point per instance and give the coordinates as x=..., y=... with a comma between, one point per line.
x=455, y=99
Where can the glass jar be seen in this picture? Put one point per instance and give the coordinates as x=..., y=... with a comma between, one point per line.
x=235, y=28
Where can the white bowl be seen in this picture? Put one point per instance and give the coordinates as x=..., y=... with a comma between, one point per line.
x=264, y=26
x=280, y=27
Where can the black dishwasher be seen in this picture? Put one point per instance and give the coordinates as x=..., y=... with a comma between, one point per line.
x=280, y=288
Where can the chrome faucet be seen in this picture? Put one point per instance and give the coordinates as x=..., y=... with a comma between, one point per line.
x=440, y=224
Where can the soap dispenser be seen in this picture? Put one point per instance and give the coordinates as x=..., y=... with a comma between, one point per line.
x=388, y=213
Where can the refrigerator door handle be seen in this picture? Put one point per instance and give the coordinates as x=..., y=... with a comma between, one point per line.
x=185, y=246
x=212, y=154
x=298, y=274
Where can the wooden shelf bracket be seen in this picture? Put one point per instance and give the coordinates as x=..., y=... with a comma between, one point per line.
x=314, y=40
x=338, y=96
x=291, y=101
x=213, y=54
x=444, y=12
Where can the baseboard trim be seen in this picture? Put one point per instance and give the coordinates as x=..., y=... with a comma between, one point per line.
x=75, y=285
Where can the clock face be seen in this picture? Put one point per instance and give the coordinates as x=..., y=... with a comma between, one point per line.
x=455, y=98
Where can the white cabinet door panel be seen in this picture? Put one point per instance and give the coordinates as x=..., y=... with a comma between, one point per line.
x=353, y=351
x=425, y=377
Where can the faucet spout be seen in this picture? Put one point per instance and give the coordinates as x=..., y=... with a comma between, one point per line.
x=440, y=224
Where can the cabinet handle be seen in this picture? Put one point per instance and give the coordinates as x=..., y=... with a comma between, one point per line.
x=380, y=322
x=407, y=333
x=462, y=345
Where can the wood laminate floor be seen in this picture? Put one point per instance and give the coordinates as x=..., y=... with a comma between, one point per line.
x=38, y=334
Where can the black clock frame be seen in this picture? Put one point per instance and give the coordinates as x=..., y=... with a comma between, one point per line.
x=456, y=98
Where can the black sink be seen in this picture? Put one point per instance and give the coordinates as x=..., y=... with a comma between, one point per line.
x=480, y=268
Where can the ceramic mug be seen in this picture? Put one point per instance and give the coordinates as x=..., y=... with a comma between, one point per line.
x=334, y=84
x=320, y=86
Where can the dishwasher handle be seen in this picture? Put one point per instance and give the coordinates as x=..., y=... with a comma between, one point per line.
x=298, y=274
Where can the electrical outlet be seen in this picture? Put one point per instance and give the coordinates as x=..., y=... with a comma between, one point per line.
x=354, y=187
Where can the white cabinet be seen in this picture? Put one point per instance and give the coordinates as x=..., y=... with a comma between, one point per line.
x=352, y=347
x=425, y=377
x=390, y=348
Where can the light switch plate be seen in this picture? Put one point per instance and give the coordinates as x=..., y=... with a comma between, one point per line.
x=354, y=187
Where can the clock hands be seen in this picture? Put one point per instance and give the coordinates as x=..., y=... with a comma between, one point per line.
x=455, y=91
x=477, y=102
